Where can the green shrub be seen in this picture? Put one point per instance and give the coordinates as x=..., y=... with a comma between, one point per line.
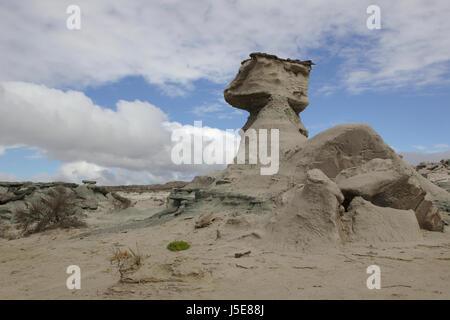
x=178, y=246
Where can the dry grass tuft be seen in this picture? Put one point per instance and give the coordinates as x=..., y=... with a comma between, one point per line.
x=58, y=210
x=6, y=231
x=126, y=261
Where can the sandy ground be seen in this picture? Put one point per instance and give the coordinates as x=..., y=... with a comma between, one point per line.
x=35, y=267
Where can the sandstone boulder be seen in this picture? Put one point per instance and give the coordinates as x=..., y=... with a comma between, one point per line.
x=311, y=214
x=438, y=173
x=387, y=184
x=368, y=179
x=371, y=223
x=341, y=147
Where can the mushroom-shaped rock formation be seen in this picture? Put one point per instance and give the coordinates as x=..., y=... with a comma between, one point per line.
x=274, y=91
x=328, y=189
x=263, y=76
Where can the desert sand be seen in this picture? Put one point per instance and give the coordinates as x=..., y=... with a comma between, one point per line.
x=35, y=267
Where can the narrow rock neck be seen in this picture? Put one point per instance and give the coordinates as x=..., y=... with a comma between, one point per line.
x=276, y=114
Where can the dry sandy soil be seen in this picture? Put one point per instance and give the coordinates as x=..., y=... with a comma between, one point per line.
x=35, y=267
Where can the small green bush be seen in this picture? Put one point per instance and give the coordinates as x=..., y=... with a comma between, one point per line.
x=178, y=246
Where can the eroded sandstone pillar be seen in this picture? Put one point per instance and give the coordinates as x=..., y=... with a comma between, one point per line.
x=274, y=91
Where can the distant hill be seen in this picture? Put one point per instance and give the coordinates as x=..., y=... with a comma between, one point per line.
x=145, y=188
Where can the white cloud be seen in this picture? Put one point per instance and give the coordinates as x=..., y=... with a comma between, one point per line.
x=436, y=148
x=78, y=171
x=4, y=149
x=202, y=110
x=415, y=158
x=9, y=177
x=219, y=110
x=174, y=42
x=412, y=48
x=38, y=154
x=128, y=145
x=441, y=146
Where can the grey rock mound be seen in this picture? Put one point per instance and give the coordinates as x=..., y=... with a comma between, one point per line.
x=438, y=173
x=15, y=195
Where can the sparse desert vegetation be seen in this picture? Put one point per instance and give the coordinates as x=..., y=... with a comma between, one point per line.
x=57, y=210
x=178, y=246
x=6, y=231
x=126, y=261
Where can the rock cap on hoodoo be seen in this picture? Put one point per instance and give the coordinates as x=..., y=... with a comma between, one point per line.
x=265, y=75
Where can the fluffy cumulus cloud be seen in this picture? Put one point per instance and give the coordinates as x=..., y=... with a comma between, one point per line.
x=173, y=42
x=422, y=148
x=132, y=144
x=411, y=48
x=219, y=110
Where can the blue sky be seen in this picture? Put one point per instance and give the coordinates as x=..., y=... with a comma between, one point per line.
x=405, y=119
x=153, y=72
